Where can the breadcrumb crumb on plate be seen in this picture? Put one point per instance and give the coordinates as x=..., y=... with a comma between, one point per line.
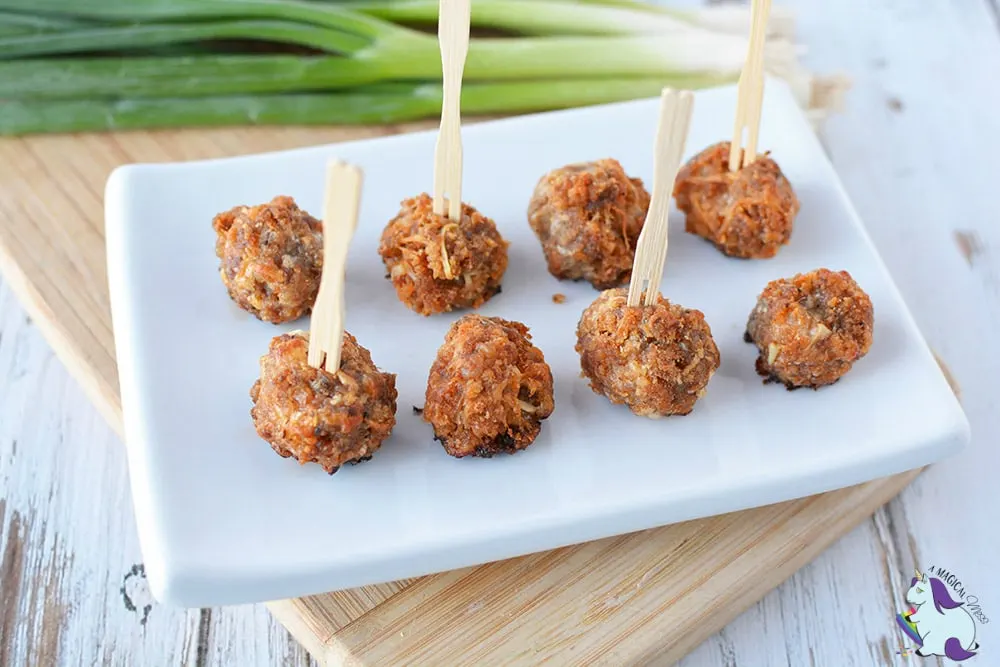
x=223, y=520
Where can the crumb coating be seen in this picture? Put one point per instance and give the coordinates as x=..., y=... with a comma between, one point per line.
x=317, y=416
x=657, y=359
x=748, y=213
x=438, y=265
x=271, y=258
x=810, y=329
x=588, y=217
x=489, y=388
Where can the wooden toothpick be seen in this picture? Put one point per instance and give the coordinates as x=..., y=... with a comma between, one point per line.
x=751, y=89
x=651, y=249
x=341, y=201
x=453, y=37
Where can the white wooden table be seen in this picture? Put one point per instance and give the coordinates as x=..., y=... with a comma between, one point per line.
x=915, y=149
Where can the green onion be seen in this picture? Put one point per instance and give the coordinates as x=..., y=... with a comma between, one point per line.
x=388, y=103
x=532, y=17
x=413, y=57
x=559, y=17
x=99, y=64
x=139, y=36
x=14, y=23
x=175, y=76
x=729, y=18
x=318, y=13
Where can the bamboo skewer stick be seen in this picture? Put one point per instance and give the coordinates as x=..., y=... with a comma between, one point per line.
x=651, y=249
x=751, y=90
x=453, y=37
x=753, y=123
x=341, y=201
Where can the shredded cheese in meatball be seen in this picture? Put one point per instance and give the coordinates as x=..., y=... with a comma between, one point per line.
x=436, y=264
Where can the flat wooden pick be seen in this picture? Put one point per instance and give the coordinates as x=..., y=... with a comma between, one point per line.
x=453, y=38
x=750, y=92
x=651, y=249
x=342, y=199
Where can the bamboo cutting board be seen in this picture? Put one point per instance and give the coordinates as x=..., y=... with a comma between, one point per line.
x=646, y=597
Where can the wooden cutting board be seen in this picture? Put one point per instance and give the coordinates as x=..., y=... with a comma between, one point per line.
x=646, y=597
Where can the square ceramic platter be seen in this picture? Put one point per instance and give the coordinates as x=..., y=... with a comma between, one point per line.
x=223, y=520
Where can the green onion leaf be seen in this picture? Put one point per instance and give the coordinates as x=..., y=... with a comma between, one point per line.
x=409, y=58
x=132, y=11
x=140, y=36
x=387, y=103
x=15, y=23
x=177, y=76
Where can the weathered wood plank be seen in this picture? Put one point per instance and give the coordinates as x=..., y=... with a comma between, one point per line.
x=72, y=589
x=913, y=148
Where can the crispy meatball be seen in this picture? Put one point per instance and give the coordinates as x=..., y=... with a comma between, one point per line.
x=489, y=388
x=271, y=258
x=588, y=217
x=655, y=359
x=747, y=213
x=316, y=416
x=811, y=328
x=437, y=264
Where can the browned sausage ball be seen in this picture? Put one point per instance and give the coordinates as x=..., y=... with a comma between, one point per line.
x=811, y=328
x=655, y=359
x=588, y=217
x=438, y=265
x=271, y=258
x=748, y=213
x=316, y=416
x=489, y=388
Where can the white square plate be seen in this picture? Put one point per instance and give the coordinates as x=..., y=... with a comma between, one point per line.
x=223, y=520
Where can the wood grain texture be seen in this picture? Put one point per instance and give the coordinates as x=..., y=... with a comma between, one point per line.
x=911, y=147
x=50, y=548
x=67, y=537
x=641, y=598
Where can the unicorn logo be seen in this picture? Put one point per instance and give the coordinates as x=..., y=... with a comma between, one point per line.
x=938, y=624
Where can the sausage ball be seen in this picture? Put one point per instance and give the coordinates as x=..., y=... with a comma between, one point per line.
x=321, y=417
x=489, y=388
x=655, y=359
x=271, y=258
x=810, y=329
x=588, y=217
x=747, y=213
x=437, y=264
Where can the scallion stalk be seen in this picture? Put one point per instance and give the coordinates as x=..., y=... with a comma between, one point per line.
x=728, y=18
x=109, y=38
x=137, y=11
x=102, y=64
x=397, y=53
x=568, y=17
x=400, y=57
x=16, y=23
x=532, y=17
x=387, y=103
x=175, y=76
